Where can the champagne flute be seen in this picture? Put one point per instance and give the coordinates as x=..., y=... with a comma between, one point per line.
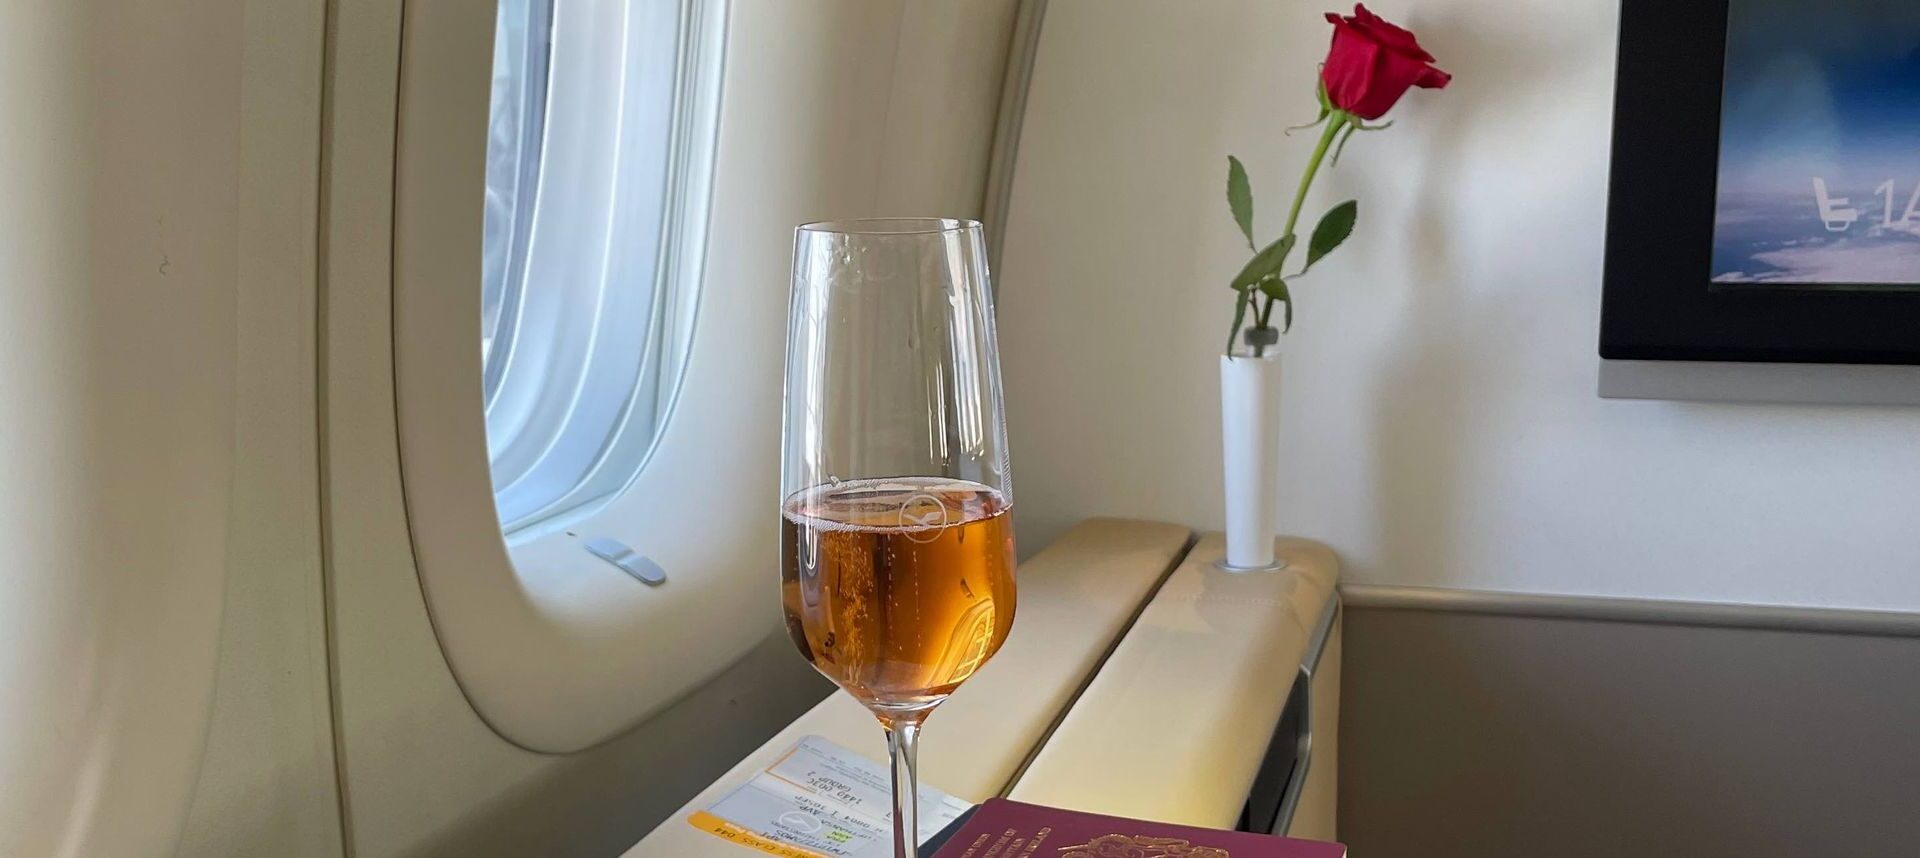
x=896, y=544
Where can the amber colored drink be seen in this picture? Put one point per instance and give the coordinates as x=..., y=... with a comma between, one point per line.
x=898, y=589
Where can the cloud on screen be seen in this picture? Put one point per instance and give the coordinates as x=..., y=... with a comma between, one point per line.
x=1847, y=261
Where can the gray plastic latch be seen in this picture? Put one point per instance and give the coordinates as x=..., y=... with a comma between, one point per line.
x=630, y=561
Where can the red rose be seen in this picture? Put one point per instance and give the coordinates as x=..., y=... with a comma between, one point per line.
x=1372, y=63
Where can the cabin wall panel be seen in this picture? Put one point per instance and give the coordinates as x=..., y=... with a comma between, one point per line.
x=1466, y=734
x=266, y=784
x=117, y=350
x=1439, y=422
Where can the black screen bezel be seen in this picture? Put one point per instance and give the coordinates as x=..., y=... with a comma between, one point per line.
x=1658, y=301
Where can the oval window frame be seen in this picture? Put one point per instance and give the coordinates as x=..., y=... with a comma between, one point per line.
x=555, y=648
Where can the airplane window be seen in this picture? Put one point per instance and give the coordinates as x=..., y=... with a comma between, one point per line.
x=599, y=154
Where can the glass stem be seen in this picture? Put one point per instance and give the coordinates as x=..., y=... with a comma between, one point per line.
x=903, y=739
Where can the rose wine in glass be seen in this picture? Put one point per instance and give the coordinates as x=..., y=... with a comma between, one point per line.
x=897, y=563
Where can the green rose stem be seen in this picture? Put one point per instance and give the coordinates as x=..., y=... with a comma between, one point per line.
x=1337, y=121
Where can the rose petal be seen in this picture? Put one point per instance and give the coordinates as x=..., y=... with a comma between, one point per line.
x=1393, y=74
x=1371, y=64
x=1392, y=36
x=1350, y=66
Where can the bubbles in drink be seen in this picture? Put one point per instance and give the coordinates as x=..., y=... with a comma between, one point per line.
x=898, y=589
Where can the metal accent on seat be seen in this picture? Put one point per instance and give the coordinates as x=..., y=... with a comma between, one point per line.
x=1290, y=753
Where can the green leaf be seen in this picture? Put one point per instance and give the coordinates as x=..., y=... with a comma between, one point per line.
x=1239, y=316
x=1275, y=288
x=1334, y=228
x=1264, y=264
x=1240, y=198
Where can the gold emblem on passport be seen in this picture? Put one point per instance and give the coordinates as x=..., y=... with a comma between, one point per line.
x=1136, y=846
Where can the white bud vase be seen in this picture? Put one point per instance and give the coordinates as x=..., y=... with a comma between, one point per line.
x=1250, y=442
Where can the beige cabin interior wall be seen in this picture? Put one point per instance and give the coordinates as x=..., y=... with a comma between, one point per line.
x=266, y=784
x=120, y=233
x=1439, y=422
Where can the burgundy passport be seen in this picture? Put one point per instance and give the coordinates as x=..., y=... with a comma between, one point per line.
x=1009, y=829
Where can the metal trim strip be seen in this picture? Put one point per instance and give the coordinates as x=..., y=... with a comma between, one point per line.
x=1021, y=53
x=1650, y=611
x=1722, y=381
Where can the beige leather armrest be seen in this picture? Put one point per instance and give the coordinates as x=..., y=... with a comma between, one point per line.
x=1076, y=597
x=1176, y=724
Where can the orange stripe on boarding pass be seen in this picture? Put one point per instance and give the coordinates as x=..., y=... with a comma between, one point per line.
x=721, y=828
